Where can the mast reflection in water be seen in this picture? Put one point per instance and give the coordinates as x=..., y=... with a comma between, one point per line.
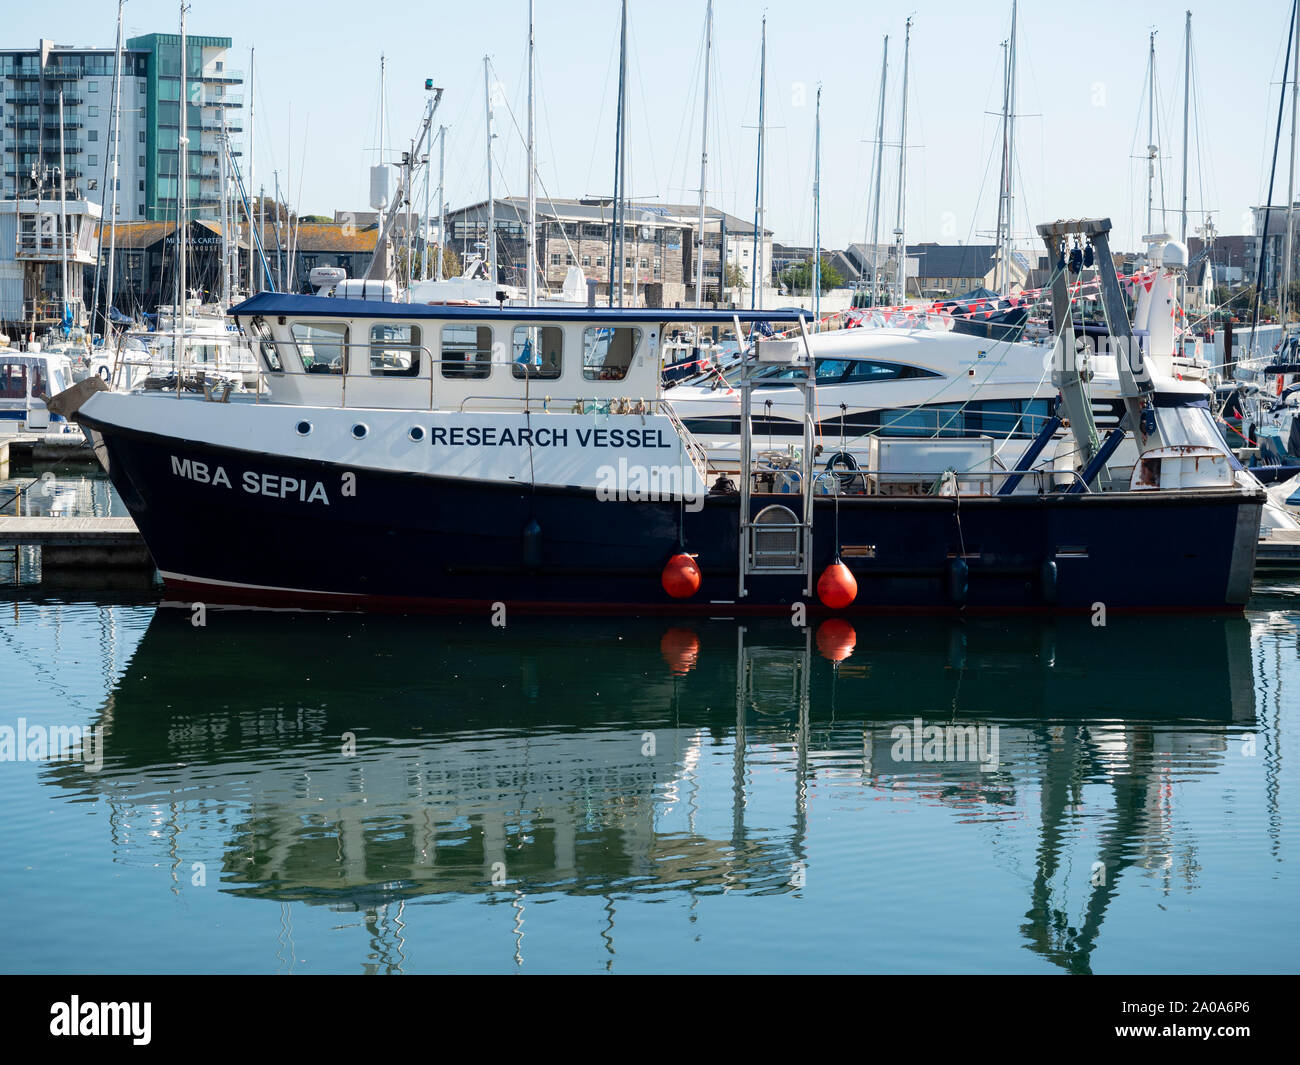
x=314, y=793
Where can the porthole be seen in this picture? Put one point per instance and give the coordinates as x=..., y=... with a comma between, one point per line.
x=304, y=428
x=360, y=430
x=416, y=434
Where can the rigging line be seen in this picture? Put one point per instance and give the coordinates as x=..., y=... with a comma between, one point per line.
x=685, y=131
x=600, y=113
x=645, y=108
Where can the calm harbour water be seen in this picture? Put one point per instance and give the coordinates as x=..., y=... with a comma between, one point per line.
x=313, y=793
x=643, y=796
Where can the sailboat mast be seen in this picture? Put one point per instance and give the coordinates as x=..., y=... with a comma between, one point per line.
x=616, y=223
x=63, y=217
x=900, y=230
x=531, y=264
x=1285, y=300
x=817, y=217
x=442, y=201
x=115, y=148
x=756, y=280
x=492, y=206
x=182, y=190
x=1008, y=182
x=704, y=154
x=1187, y=93
x=252, y=148
x=880, y=165
x=1153, y=150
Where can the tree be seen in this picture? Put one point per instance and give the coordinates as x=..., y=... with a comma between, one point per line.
x=735, y=276
x=450, y=262
x=317, y=219
x=798, y=278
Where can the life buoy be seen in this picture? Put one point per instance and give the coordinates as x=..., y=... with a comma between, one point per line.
x=104, y=372
x=845, y=461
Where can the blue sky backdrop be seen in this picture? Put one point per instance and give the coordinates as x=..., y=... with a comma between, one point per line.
x=1082, y=72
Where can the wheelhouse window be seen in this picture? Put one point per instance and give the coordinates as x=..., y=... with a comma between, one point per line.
x=607, y=352
x=322, y=346
x=266, y=344
x=863, y=370
x=13, y=381
x=466, y=351
x=395, y=351
x=536, y=352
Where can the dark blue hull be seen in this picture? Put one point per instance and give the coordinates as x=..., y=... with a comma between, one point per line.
x=406, y=543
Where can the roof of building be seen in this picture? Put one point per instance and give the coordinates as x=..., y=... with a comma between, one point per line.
x=553, y=209
x=131, y=236
x=957, y=260
x=328, y=237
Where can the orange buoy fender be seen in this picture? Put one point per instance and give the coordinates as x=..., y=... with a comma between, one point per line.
x=837, y=587
x=836, y=639
x=681, y=577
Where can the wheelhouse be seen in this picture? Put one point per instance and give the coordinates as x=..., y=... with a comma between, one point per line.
x=318, y=351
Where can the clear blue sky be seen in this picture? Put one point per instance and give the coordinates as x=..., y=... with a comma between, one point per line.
x=1082, y=74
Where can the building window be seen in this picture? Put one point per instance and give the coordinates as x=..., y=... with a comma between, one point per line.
x=219, y=65
x=600, y=260
x=142, y=184
x=92, y=86
x=92, y=160
x=658, y=263
x=141, y=136
x=568, y=260
x=143, y=161
x=92, y=134
x=645, y=263
x=586, y=260
x=555, y=260
x=92, y=111
x=139, y=211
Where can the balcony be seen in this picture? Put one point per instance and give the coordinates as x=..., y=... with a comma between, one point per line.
x=57, y=74
x=69, y=121
x=25, y=99
x=224, y=77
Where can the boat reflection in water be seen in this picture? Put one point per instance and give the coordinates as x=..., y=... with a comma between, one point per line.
x=362, y=763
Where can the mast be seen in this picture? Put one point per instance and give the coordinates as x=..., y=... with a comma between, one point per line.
x=225, y=205
x=1003, y=275
x=1153, y=149
x=63, y=222
x=880, y=166
x=428, y=186
x=900, y=229
x=252, y=147
x=531, y=263
x=756, y=281
x=817, y=217
x=1187, y=91
x=442, y=200
x=704, y=155
x=1285, y=300
x=620, y=168
x=183, y=184
x=115, y=147
x=492, y=206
